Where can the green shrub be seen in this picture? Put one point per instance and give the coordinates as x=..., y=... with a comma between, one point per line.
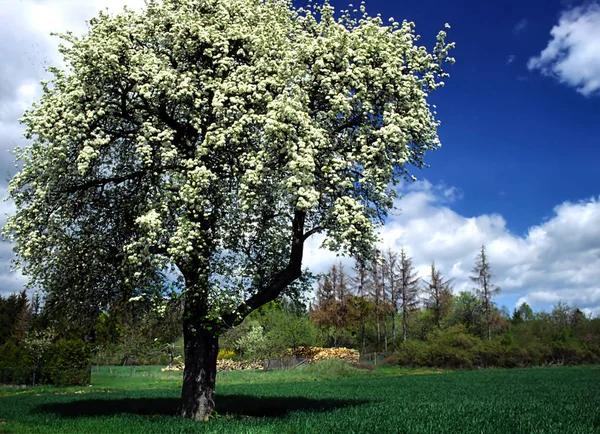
x=515, y=357
x=16, y=366
x=254, y=344
x=592, y=353
x=411, y=353
x=455, y=336
x=330, y=368
x=67, y=362
x=568, y=353
x=487, y=354
x=446, y=356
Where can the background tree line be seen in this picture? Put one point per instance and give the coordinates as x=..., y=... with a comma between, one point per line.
x=382, y=307
x=386, y=307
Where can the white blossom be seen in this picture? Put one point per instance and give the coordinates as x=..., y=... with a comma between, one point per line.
x=172, y=140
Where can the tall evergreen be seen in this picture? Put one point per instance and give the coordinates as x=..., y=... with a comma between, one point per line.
x=484, y=289
x=438, y=295
x=408, y=289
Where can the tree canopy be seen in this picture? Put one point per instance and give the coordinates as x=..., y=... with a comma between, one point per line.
x=211, y=138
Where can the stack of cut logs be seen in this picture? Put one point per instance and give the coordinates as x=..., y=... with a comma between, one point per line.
x=312, y=354
x=222, y=365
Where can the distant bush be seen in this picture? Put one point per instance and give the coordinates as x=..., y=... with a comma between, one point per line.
x=65, y=363
x=446, y=356
x=254, y=344
x=68, y=362
x=332, y=367
x=15, y=364
x=411, y=353
x=456, y=336
x=366, y=366
x=453, y=348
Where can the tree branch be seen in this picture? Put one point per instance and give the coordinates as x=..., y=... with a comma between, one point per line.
x=122, y=178
x=105, y=181
x=313, y=231
x=291, y=272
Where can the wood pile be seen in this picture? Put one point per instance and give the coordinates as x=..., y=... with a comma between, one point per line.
x=222, y=365
x=231, y=365
x=174, y=367
x=311, y=354
x=315, y=354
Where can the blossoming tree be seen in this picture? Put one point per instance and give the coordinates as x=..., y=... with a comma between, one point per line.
x=213, y=138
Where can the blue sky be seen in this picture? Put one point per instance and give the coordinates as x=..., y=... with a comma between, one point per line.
x=514, y=142
x=518, y=170
x=518, y=139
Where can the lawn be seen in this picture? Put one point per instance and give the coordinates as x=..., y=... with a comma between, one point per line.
x=325, y=398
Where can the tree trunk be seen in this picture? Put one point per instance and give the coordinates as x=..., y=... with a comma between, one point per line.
x=201, y=336
x=362, y=332
x=199, y=375
x=404, y=325
x=378, y=332
x=385, y=334
x=404, y=318
x=394, y=328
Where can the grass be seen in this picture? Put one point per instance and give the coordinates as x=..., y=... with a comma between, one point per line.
x=327, y=397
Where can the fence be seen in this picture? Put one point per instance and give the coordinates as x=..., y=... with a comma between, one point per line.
x=292, y=362
x=373, y=358
x=282, y=363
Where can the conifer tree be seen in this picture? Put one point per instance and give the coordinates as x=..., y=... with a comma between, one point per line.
x=438, y=295
x=409, y=289
x=392, y=286
x=484, y=289
x=362, y=305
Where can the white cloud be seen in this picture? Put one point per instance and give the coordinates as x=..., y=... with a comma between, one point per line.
x=510, y=59
x=559, y=259
x=573, y=54
x=520, y=26
x=27, y=49
x=319, y=260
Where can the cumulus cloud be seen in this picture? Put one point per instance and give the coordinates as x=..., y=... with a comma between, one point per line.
x=573, y=53
x=558, y=259
x=511, y=58
x=26, y=51
x=9, y=282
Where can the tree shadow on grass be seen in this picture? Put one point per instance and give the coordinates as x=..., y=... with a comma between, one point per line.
x=237, y=406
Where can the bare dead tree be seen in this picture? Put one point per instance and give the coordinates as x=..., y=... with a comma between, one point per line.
x=392, y=286
x=438, y=294
x=408, y=289
x=484, y=289
x=360, y=286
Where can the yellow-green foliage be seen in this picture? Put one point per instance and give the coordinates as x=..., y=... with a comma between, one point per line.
x=226, y=354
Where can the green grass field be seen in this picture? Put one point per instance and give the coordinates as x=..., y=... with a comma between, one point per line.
x=326, y=398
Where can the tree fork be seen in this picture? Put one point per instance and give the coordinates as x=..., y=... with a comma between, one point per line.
x=201, y=338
